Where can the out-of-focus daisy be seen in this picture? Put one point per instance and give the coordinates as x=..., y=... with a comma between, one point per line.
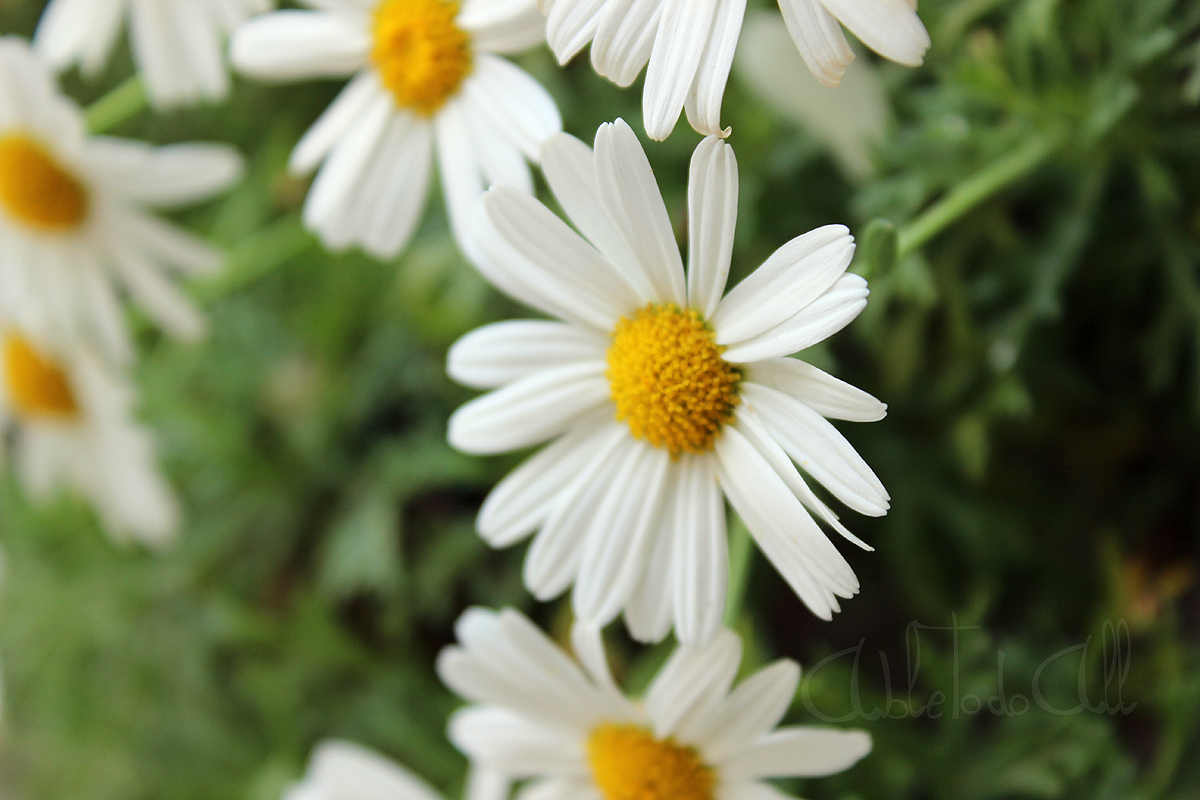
x=661, y=394
x=74, y=219
x=70, y=421
x=427, y=78
x=341, y=770
x=689, y=45
x=691, y=737
x=178, y=45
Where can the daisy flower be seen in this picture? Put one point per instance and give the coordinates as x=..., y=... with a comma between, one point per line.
x=178, y=45
x=340, y=770
x=70, y=422
x=75, y=223
x=539, y=715
x=689, y=45
x=660, y=394
x=427, y=78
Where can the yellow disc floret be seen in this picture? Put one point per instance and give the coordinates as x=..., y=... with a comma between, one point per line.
x=628, y=763
x=669, y=381
x=421, y=55
x=37, y=387
x=36, y=190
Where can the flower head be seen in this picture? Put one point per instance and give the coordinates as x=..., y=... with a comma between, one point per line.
x=540, y=715
x=427, y=77
x=659, y=394
x=75, y=221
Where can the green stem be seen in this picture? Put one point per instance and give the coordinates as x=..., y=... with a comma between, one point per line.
x=973, y=191
x=117, y=106
x=741, y=552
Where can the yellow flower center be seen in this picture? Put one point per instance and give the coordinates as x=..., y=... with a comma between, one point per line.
x=421, y=55
x=37, y=386
x=36, y=190
x=669, y=381
x=630, y=764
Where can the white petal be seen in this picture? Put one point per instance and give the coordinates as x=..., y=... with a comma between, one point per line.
x=701, y=553
x=819, y=38
x=500, y=160
x=571, y=24
x=525, y=497
x=820, y=449
x=650, y=610
x=753, y=709
x=82, y=31
x=337, y=120
x=819, y=390
x=503, y=740
x=799, y=752
x=502, y=26
x=782, y=528
x=749, y=790
x=293, y=45
x=794, y=276
x=620, y=536
x=559, y=789
x=507, y=351
x=635, y=205
x=819, y=320
x=624, y=38
x=679, y=44
x=712, y=217
x=462, y=176
x=694, y=679
x=889, y=27
x=515, y=104
x=165, y=303
x=390, y=203
x=529, y=411
x=570, y=169
x=345, y=771
x=703, y=102
x=166, y=176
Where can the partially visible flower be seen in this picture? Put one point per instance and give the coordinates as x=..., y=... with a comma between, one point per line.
x=663, y=397
x=341, y=770
x=693, y=736
x=74, y=220
x=71, y=426
x=178, y=45
x=689, y=45
x=427, y=78
x=849, y=121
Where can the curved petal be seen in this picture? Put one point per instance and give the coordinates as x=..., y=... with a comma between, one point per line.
x=819, y=38
x=801, y=752
x=345, y=771
x=166, y=176
x=751, y=710
x=889, y=27
x=503, y=740
x=516, y=105
x=625, y=38
x=293, y=45
x=503, y=352
x=703, y=102
x=712, y=218
x=694, y=679
x=819, y=390
x=701, y=575
x=679, y=44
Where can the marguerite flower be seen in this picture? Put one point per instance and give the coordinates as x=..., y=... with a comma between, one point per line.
x=70, y=421
x=659, y=393
x=74, y=220
x=340, y=770
x=689, y=45
x=691, y=737
x=427, y=78
x=178, y=45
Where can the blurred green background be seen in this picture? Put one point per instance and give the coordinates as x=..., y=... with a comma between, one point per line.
x=1039, y=357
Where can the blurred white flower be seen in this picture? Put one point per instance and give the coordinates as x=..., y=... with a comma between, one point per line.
x=661, y=393
x=341, y=770
x=849, y=121
x=71, y=426
x=178, y=45
x=689, y=45
x=572, y=731
x=426, y=78
x=74, y=224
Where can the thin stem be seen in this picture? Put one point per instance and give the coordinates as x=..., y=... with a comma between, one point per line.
x=117, y=106
x=973, y=191
x=741, y=553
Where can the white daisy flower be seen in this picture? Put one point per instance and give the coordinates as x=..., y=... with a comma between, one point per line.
x=426, y=77
x=70, y=422
x=571, y=730
x=661, y=394
x=178, y=45
x=74, y=212
x=340, y=770
x=689, y=45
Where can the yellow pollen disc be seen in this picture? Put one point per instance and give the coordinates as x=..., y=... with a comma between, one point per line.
x=37, y=387
x=36, y=190
x=421, y=55
x=630, y=764
x=669, y=381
